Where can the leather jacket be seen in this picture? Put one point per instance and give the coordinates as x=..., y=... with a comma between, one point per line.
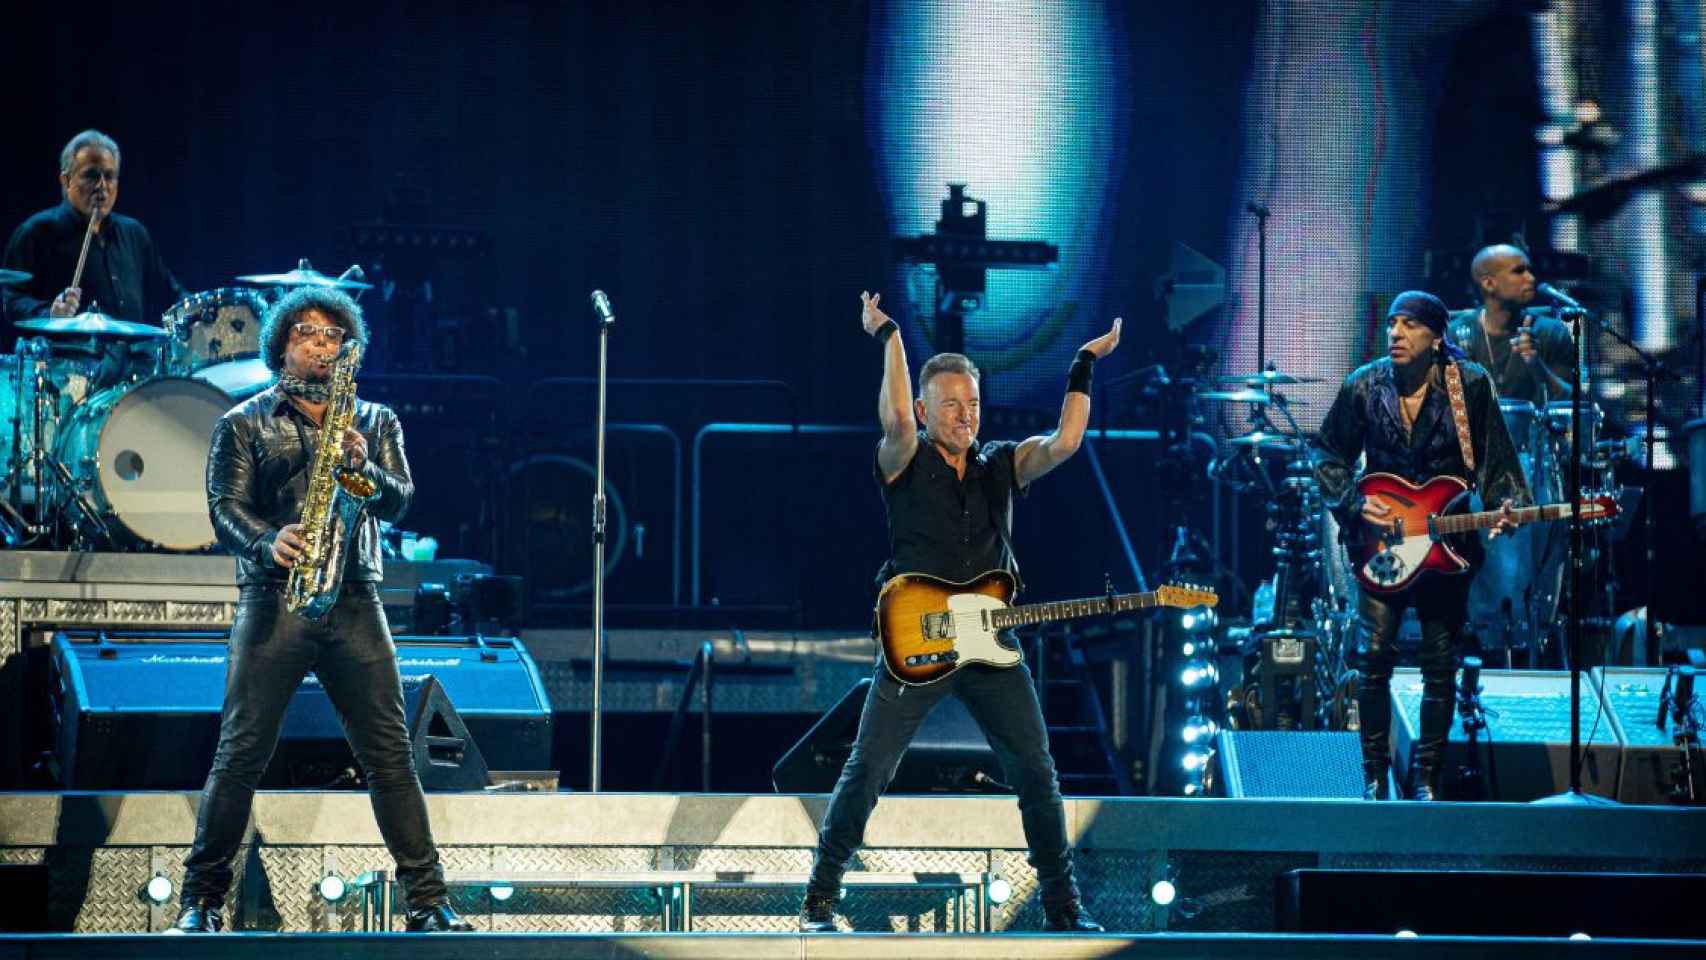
x=257, y=480
x=1365, y=420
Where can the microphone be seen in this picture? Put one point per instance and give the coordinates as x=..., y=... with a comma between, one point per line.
x=1682, y=701
x=1469, y=687
x=601, y=306
x=1553, y=293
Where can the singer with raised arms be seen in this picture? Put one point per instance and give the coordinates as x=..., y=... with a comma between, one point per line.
x=949, y=500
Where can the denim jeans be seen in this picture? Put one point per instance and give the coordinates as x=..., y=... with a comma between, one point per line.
x=351, y=652
x=1004, y=704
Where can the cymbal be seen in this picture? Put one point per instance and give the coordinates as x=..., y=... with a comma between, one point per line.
x=304, y=276
x=1248, y=396
x=1264, y=379
x=91, y=325
x=10, y=278
x=1268, y=441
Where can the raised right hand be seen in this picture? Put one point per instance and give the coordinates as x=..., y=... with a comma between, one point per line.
x=288, y=546
x=870, y=317
x=66, y=303
x=1378, y=515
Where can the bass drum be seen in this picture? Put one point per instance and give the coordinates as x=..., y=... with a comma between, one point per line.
x=138, y=452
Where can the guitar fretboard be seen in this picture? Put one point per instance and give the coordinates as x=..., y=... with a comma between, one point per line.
x=1068, y=609
x=1465, y=522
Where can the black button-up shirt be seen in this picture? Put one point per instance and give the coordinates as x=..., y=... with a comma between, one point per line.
x=124, y=276
x=943, y=525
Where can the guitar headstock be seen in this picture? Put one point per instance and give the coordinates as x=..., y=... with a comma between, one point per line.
x=1185, y=595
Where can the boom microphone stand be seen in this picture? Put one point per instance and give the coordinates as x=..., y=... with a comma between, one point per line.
x=606, y=320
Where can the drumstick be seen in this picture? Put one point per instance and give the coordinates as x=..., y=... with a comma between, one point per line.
x=88, y=234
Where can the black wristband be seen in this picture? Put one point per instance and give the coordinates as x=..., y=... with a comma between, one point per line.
x=887, y=330
x=1078, y=377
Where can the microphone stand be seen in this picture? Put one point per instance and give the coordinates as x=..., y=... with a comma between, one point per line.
x=1262, y=213
x=1574, y=795
x=606, y=319
x=1470, y=778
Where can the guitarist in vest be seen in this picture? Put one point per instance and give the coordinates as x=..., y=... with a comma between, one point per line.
x=1397, y=411
x=950, y=501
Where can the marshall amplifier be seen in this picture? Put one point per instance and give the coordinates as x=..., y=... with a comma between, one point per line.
x=141, y=710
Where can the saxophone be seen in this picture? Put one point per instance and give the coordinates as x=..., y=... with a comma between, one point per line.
x=336, y=496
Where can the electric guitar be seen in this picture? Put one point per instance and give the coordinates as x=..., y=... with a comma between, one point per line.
x=930, y=627
x=1424, y=515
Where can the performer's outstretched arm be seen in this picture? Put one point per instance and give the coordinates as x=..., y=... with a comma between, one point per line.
x=894, y=397
x=1040, y=454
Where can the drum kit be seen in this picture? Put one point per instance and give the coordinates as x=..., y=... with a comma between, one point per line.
x=1514, y=598
x=104, y=423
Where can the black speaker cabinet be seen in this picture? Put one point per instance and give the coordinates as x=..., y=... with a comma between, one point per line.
x=1300, y=764
x=1652, y=762
x=946, y=756
x=1524, y=754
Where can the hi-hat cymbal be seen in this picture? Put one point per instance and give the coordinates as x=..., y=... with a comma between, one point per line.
x=92, y=325
x=11, y=278
x=1266, y=378
x=1268, y=441
x=304, y=276
x=1249, y=396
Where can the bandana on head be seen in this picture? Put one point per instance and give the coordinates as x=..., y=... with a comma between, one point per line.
x=1432, y=313
x=313, y=392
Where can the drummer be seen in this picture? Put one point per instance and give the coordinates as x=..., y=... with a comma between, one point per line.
x=123, y=276
x=1528, y=352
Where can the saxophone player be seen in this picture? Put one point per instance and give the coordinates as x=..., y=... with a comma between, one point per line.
x=257, y=482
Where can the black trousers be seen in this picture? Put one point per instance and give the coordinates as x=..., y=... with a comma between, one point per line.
x=1442, y=606
x=351, y=652
x=1004, y=704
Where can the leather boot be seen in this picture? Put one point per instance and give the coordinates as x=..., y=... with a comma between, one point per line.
x=1376, y=744
x=198, y=916
x=438, y=918
x=1425, y=759
x=1069, y=917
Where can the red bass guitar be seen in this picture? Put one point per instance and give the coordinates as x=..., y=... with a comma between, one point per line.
x=1425, y=516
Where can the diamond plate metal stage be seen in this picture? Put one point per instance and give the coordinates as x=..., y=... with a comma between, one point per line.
x=93, y=854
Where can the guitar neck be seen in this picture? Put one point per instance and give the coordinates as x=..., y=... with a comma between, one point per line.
x=1034, y=613
x=1465, y=522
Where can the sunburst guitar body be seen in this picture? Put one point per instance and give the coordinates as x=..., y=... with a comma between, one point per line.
x=929, y=627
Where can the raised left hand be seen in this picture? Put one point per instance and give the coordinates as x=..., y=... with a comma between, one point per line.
x=355, y=449
x=1507, y=520
x=1105, y=344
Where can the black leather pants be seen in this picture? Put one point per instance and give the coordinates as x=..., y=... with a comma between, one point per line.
x=1442, y=607
x=352, y=654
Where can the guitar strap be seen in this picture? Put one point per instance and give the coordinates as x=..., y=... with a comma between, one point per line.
x=991, y=493
x=1460, y=413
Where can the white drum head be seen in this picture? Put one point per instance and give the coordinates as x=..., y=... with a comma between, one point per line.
x=238, y=379
x=153, y=460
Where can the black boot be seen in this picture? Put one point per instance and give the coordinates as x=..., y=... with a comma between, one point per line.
x=1069, y=917
x=1435, y=724
x=1376, y=753
x=817, y=913
x=198, y=916
x=438, y=918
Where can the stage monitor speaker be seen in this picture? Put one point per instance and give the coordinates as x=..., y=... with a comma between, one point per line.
x=1652, y=762
x=141, y=710
x=1291, y=764
x=949, y=754
x=313, y=752
x=1524, y=754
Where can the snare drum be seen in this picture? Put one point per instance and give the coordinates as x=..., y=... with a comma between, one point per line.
x=38, y=388
x=1558, y=421
x=215, y=336
x=138, y=451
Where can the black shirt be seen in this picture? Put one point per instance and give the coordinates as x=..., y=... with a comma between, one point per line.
x=124, y=276
x=1512, y=375
x=943, y=525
